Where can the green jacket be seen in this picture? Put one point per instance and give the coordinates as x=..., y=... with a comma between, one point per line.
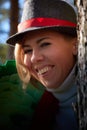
x=16, y=105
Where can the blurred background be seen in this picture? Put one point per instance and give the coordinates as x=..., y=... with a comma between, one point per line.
x=10, y=14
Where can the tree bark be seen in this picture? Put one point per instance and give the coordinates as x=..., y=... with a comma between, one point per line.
x=82, y=63
x=14, y=16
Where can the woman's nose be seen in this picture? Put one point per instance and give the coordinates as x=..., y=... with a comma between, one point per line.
x=37, y=56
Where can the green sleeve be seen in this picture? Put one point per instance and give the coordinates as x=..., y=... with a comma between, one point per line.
x=16, y=105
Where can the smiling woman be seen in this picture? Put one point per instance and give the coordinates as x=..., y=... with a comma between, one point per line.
x=46, y=53
x=43, y=63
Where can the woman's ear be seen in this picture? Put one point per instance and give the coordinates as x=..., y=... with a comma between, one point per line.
x=75, y=46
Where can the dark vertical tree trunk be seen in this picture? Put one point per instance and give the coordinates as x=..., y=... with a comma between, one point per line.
x=14, y=15
x=82, y=63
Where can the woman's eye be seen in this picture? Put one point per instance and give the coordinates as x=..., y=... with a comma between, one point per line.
x=45, y=44
x=28, y=51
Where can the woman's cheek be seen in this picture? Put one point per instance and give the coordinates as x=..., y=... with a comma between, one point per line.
x=26, y=61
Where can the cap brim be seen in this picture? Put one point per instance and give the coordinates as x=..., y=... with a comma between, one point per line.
x=17, y=38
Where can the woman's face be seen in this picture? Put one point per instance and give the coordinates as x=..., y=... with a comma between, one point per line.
x=49, y=56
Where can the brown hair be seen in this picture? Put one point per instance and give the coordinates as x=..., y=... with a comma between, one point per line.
x=22, y=70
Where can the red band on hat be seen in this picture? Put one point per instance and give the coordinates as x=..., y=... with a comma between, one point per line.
x=44, y=22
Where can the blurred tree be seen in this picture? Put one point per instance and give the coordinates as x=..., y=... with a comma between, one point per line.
x=10, y=11
x=4, y=11
x=14, y=17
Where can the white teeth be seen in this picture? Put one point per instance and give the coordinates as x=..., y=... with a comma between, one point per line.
x=43, y=70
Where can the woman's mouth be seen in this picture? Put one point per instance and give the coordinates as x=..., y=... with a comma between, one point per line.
x=43, y=70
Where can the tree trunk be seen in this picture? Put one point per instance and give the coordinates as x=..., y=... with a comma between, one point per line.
x=82, y=63
x=14, y=15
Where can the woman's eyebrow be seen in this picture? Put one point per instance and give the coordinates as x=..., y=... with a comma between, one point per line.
x=41, y=39
x=25, y=45
x=38, y=41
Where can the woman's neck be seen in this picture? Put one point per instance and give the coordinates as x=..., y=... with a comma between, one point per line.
x=66, y=89
x=66, y=84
